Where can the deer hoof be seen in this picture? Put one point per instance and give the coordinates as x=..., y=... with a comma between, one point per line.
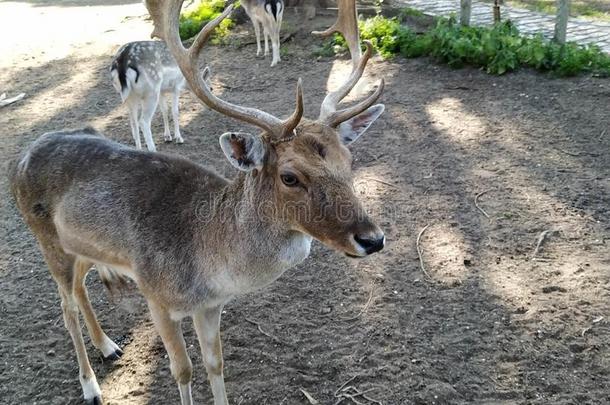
x=97, y=400
x=179, y=140
x=114, y=355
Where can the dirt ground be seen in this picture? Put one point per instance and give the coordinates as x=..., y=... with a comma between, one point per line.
x=491, y=324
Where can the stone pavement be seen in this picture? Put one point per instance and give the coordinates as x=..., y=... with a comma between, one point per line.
x=528, y=22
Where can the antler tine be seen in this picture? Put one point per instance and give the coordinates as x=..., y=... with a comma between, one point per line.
x=346, y=25
x=165, y=15
x=345, y=114
x=332, y=99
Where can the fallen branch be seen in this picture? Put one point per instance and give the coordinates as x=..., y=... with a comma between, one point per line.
x=350, y=392
x=344, y=384
x=541, y=238
x=258, y=325
x=419, y=251
x=476, y=203
x=382, y=182
x=575, y=154
x=311, y=399
x=596, y=320
x=6, y=101
x=363, y=310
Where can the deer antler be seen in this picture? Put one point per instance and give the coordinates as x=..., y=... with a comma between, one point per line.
x=347, y=25
x=165, y=15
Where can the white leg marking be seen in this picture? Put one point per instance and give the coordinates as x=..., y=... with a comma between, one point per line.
x=167, y=136
x=257, y=31
x=135, y=125
x=91, y=389
x=176, y=115
x=207, y=326
x=266, y=35
x=185, y=394
x=108, y=347
x=149, y=106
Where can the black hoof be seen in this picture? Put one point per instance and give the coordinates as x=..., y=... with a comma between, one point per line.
x=94, y=401
x=114, y=356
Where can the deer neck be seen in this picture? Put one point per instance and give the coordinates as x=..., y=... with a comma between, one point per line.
x=249, y=241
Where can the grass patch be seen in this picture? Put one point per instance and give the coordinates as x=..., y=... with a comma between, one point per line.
x=193, y=20
x=498, y=49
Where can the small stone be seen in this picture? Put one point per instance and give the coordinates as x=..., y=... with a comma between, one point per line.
x=51, y=353
x=577, y=347
x=553, y=288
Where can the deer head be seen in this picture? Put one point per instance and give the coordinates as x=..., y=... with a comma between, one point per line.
x=303, y=164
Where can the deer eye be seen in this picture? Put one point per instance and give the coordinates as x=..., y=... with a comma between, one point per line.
x=289, y=180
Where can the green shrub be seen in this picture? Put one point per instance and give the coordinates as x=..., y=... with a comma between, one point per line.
x=498, y=49
x=192, y=21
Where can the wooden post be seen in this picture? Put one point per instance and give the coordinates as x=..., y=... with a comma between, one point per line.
x=497, y=11
x=561, y=23
x=465, y=11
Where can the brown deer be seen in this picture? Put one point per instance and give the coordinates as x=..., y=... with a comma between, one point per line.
x=190, y=239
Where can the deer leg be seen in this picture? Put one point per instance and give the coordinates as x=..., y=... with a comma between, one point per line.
x=167, y=136
x=176, y=116
x=257, y=32
x=173, y=340
x=149, y=105
x=275, y=44
x=61, y=267
x=134, y=124
x=109, y=349
x=207, y=326
x=266, y=35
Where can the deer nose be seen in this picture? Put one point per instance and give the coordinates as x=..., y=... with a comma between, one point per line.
x=370, y=243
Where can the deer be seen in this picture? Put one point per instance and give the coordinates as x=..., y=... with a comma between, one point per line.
x=190, y=239
x=145, y=75
x=269, y=14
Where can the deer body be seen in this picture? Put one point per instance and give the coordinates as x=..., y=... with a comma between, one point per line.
x=269, y=14
x=189, y=238
x=145, y=74
x=207, y=229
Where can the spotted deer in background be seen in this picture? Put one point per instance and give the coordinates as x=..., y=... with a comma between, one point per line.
x=190, y=239
x=145, y=74
x=269, y=14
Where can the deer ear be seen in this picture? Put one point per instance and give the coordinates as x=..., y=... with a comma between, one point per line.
x=244, y=151
x=351, y=129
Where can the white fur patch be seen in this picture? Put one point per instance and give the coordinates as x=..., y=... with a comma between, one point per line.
x=186, y=397
x=91, y=389
x=108, y=347
x=297, y=250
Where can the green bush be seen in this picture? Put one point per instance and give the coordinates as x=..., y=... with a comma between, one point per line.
x=192, y=21
x=497, y=49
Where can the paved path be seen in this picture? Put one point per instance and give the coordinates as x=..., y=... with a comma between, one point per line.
x=528, y=22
